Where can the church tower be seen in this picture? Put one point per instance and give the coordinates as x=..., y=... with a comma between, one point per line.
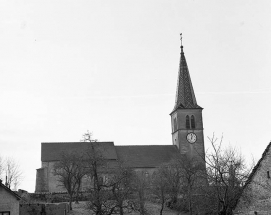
x=186, y=117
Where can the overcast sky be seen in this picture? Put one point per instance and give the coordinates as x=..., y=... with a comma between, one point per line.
x=111, y=67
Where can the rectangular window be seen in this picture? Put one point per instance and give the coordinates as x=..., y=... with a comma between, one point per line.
x=268, y=174
x=4, y=213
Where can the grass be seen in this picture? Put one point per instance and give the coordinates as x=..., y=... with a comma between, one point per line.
x=153, y=209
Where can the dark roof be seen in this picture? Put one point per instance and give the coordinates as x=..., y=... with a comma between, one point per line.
x=146, y=156
x=53, y=151
x=185, y=96
x=9, y=191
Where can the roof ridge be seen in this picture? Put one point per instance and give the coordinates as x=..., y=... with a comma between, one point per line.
x=82, y=142
x=258, y=164
x=144, y=145
x=9, y=190
x=51, y=151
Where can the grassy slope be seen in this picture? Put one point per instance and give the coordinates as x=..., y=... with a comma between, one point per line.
x=153, y=209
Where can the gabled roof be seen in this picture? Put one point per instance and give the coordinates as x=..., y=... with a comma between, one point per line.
x=52, y=151
x=185, y=96
x=257, y=165
x=255, y=169
x=9, y=191
x=146, y=156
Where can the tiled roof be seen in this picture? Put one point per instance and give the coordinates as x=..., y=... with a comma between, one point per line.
x=146, y=156
x=185, y=96
x=10, y=191
x=52, y=151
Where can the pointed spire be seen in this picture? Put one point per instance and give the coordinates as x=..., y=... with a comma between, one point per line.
x=185, y=96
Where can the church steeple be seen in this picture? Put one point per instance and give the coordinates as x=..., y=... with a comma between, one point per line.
x=186, y=117
x=185, y=96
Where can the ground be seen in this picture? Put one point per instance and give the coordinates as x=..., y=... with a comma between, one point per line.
x=80, y=209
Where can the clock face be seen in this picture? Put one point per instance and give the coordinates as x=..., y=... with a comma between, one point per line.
x=191, y=138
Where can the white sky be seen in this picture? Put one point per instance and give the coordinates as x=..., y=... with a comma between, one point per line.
x=111, y=67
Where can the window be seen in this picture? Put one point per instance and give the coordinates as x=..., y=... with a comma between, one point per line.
x=193, y=125
x=175, y=124
x=101, y=180
x=268, y=174
x=4, y=213
x=105, y=179
x=187, y=122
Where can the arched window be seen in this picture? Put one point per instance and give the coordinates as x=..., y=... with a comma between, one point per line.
x=187, y=122
x=193, y=125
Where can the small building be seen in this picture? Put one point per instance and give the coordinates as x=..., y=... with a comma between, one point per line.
x=9, y=201
x=256, y=195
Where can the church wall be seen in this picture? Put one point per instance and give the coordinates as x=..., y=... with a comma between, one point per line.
x=257, y=195
x=195, y=148
x=175, y=139
x=41, y=180
x=173, y=122
x=46, y=181
x=45, y=164
x=145, y=172
x=149, y=171
x=53, y=184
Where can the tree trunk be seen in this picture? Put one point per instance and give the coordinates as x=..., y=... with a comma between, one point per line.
x=190, y=201
x=141, y=202
x=163, y=202
x=77, y=194
x=70, y=203
x=121, y=211
x=162, y=208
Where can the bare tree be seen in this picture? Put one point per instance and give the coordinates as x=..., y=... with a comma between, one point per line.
x=13, y=173
x=121, y=186
x=179, y=179
x=70, y=170
x=160, y=185
x=88, y=137
x=192, y=176
x=173, y=176
x=140, y=184
x=97, y=167
x=227, y=174
x=1, y=167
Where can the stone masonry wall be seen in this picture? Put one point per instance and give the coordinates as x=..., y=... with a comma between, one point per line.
x=46, y=209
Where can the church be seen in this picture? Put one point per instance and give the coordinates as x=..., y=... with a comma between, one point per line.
x=187, y=139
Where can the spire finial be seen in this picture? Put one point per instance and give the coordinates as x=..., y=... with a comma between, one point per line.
x=181, y=35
